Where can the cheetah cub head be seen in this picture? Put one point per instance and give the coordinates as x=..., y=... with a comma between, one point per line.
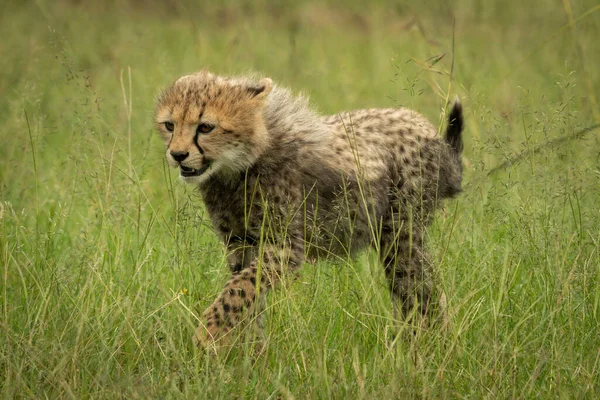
x=213, y=125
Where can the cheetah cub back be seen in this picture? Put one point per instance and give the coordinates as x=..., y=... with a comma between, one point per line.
x=282, y=184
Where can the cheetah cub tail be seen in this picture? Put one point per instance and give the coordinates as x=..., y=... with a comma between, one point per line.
x=455, y=127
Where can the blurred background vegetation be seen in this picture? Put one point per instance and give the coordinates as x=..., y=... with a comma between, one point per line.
x=107, y=260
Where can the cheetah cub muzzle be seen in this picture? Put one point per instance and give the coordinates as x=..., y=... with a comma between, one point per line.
x=283, y=184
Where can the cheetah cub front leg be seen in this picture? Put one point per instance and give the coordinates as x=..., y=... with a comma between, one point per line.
x=238, y=303
x=243, y=298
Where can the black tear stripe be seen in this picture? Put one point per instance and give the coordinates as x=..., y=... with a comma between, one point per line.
x=171, y=133
x=200, y=150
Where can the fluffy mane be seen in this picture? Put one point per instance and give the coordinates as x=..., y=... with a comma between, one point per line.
x=288, y=117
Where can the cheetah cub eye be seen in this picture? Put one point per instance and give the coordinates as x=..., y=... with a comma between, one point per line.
x=169, y=126
x=204, y=128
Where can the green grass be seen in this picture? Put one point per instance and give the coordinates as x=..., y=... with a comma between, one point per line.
x=106, y=259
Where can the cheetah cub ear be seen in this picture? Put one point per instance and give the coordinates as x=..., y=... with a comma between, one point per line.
x=260, y=90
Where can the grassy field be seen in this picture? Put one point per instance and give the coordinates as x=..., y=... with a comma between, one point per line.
x=106, y=260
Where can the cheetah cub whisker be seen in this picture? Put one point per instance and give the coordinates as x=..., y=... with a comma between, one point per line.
x=283, y=184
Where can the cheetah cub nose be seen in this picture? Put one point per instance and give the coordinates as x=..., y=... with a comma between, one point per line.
x=179, y=156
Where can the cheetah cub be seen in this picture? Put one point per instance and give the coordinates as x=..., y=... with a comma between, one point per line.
x=283, y=184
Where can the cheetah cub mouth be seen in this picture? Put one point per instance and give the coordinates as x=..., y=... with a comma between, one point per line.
x=187, y=172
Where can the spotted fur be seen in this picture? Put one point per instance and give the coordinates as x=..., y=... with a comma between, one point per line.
x=282, y=183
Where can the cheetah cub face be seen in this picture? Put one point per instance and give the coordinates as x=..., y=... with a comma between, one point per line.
x=212, y=125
